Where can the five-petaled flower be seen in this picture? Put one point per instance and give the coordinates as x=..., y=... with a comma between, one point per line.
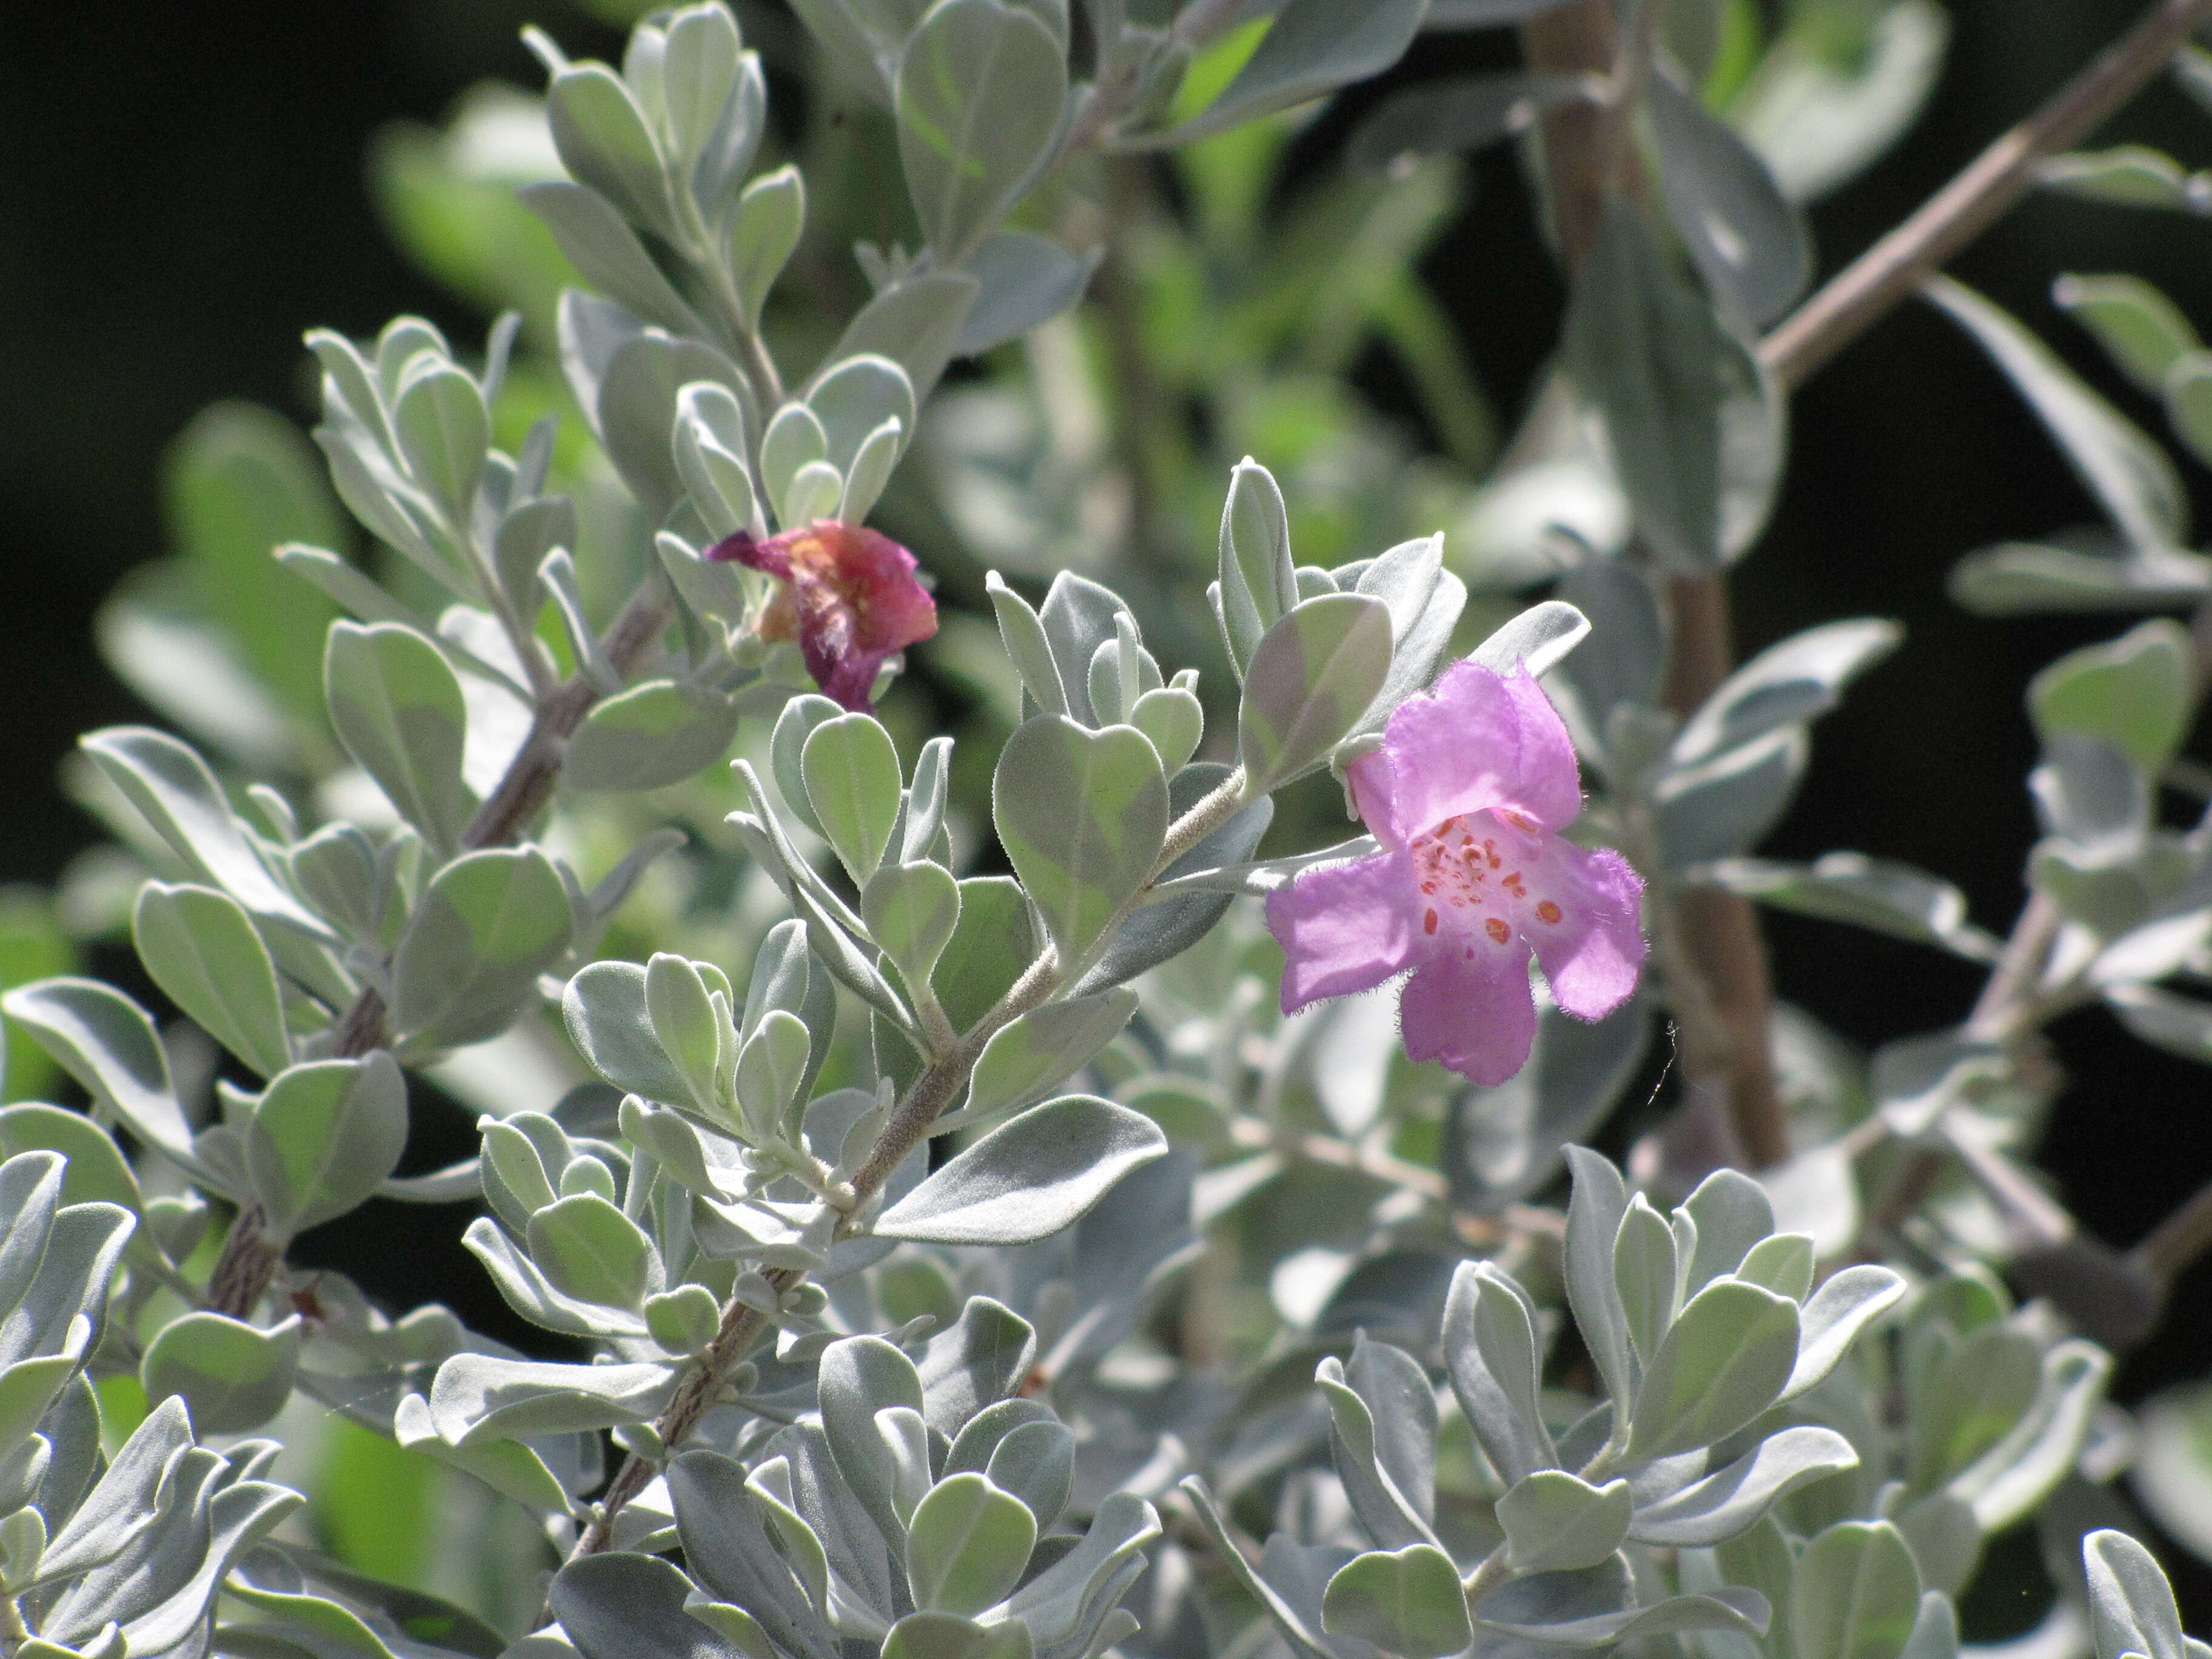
x=1467, y=794
x=849, y=598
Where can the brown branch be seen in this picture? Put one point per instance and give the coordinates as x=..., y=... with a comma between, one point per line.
x=1720, y=930
x=1579, y=154
x=939, y=1083
x=1586, y=163
x=2177, y=1241
x=743, y=1324
x=1886, y=273
x=250, y=1261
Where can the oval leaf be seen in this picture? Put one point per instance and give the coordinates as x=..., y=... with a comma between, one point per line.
x=1029, y=1178
x=1082, y=815
x=1312, y=676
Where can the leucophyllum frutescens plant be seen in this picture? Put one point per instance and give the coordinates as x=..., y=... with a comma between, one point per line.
x=941, y=1251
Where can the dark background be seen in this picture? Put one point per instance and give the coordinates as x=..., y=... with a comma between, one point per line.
x=181, y=194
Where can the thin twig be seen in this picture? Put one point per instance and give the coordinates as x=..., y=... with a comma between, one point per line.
x=2177, y=1241
x=937, y=1087
x=1889, y=272
x=249, y=1261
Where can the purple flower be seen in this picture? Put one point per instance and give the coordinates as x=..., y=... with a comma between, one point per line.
x=1467, y=794
x=850, y=601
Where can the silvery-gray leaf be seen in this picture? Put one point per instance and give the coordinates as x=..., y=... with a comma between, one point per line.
x=2018, y=578
x=1557, y=1522
x=488, y=925
x=1733, y=1498
x=609, y=254
x=1036, y=1463
x=915, y=322
x=1028, y=1177
x=985, y=1357
x=1732, y=1213
x=530, y=1292
x=1594, y=1212
x=1078, y=617
x=1833, y=1318
x=172, y=786
x=859, y=1376
x=1624, y=662
x=1654, y=364
x=623, y=1605
x=2128, y=473
x=1388, y=1515
x=323, y=1136
x=201, y=949
x=1074, y=1595
x=2009, y=1481
x=1726, y=806
x=55, y=1319
x=1857, y=1595
x=232, y=1376
x=649, y=736
x=1880, y=894
x=979, y=92
x=1157, y=933
x=1406, y=1601
x=1425, y=601
x=1724, y=1361
x=1535, y=641
x=1291, y=1583
x=639, y=391
x=1491, y=1355
x=1311, y=678
x=1788, y=684
x=1314, y=47
x=1749, y=242
x=1027, y=280
x=1044, y=1047
x=122, y=1505
x=1257, y=581
x=478, y=1397
x=2130, y=1603
x=728, y=1546
x=605, y=1010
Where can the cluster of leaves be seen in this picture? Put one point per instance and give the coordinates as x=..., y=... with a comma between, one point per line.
x=972, y=1275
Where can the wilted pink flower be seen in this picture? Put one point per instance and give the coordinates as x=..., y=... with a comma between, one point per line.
x=850, y=599
x=1472, y=782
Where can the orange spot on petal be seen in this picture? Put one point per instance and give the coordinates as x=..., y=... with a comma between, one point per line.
x=1428, y=922
x=1547, y=911
x=1497, y=929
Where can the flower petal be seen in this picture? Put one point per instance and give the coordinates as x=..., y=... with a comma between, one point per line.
x=1478, y=740
x=1346, y=927
x=854, y=596
x=1472, y=1009
x=1591, y=953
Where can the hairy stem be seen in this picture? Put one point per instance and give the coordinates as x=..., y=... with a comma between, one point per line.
x=1853, y=300
x=937, y=1086
x=249, y=1261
